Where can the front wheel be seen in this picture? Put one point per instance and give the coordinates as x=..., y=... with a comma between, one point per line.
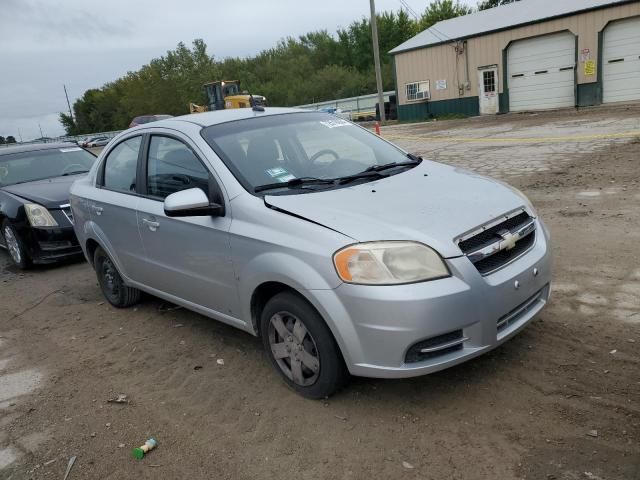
x=14, y=246
x=301, y=346
x=111, y=284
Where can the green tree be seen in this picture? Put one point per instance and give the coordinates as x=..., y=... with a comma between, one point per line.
x=2, y=140
x=314, y=67
x=485, y=4
x=11, y=139
x=68, y=124
x=442, y=10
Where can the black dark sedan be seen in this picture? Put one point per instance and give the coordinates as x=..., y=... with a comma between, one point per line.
x=35, y=218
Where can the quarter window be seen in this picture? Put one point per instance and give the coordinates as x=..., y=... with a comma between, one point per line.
x=173, y=167
x=121, y=165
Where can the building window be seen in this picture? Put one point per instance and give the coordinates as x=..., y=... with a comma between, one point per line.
x=489, y=81
x=418, y=90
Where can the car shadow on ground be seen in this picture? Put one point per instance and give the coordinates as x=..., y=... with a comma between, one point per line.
x=437, y=386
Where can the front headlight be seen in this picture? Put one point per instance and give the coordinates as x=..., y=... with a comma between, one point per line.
x=39, y=216
x=388, y=263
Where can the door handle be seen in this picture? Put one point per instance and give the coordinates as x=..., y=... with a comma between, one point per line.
x=97, y=210
x=153, y=226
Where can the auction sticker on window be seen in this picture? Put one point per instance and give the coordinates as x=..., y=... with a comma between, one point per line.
x=338, y=122
x=280, y=174
x=71, y=149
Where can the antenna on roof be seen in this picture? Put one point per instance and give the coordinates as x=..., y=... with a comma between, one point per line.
x=254, y=106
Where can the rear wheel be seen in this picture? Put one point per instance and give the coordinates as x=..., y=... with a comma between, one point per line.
x=113, y=288
x=14, y=245
x=301, y=346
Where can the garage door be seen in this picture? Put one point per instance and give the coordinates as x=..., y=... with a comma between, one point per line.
x=621, y=61
x=541, y=72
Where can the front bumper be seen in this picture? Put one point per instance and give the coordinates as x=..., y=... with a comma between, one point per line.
x=49, y=245
x=376, y=326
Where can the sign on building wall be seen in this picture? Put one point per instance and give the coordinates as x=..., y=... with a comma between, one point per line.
x=441, y=84
x=585, y=54
x=589, y=67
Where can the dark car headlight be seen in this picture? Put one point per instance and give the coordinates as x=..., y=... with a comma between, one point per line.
x=39, y=216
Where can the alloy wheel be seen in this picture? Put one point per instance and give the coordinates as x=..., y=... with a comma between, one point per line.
x=110, y=278
x=12, y=244
x=294, y=349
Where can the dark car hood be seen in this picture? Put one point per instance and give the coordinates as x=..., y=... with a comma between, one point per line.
x=51, y=192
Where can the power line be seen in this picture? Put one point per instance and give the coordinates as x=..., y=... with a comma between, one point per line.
x=409, y=10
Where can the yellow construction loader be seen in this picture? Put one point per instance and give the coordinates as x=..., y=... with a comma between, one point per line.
x=226, y=94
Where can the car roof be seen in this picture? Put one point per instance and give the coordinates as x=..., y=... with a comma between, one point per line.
x=33, y=147
x=206, y=119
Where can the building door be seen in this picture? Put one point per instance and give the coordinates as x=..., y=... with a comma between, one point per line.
x=488, y=90
x=621, y=61
x=541, y=72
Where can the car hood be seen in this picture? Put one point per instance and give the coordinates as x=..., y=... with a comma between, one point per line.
x=431, y=203
x=51, y=192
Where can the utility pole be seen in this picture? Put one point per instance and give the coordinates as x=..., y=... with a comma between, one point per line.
x=68, y=104
x=376, y=59
x=41, y=134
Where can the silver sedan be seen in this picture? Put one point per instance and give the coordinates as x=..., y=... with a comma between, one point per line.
x=344, y=253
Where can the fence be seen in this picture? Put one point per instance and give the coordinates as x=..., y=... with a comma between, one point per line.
x=363, y=103
x=66, y=138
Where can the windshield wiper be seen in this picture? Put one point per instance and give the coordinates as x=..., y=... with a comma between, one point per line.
x=294, y=183
x=77, y=172
x=357, y=176
x=413, y=160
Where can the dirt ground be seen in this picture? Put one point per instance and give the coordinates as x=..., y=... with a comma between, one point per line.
x=559, y=401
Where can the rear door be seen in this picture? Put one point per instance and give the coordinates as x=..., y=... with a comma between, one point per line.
x=113, y=208
x=187, y=257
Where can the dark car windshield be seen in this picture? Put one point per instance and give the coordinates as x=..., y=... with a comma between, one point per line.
x=40, y=164
x=266, y=150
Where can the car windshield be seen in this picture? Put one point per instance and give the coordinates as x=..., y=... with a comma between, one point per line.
x=301, y=151
x=40, y=164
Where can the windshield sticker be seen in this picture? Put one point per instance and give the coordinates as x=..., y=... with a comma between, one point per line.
x=280, y=174
x=71, y=149
x=286, y=178
x=276, y=172
x=338, y=122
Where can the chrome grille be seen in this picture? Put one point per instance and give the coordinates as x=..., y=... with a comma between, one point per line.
x=66, y=209
x=499, y=242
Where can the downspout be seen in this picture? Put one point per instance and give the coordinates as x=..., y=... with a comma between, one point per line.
x=466, y=67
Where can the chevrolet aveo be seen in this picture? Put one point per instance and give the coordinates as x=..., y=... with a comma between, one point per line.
x=344, y=253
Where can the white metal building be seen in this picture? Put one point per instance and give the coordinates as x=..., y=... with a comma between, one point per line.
x=527, y=55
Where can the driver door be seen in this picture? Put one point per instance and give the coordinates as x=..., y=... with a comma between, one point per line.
x=186, y=257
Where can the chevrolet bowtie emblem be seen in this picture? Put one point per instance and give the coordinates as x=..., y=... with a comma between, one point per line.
x=509, y=240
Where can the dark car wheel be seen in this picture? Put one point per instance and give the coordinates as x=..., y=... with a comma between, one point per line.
x=14, y=246
x=111, y=284
x=301, y=346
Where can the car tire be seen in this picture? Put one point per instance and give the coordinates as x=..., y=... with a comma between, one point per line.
x=15, y=247
x=301, y=347
x=113, y=288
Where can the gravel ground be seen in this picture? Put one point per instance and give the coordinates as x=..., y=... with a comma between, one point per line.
x=559, y=401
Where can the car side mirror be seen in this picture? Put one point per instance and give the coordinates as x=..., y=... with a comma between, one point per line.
x=191, y=203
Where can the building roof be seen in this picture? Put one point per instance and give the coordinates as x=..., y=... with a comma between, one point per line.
x=499, y=18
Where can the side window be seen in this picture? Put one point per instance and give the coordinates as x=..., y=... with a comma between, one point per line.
x=173, y=167
x=121, y=164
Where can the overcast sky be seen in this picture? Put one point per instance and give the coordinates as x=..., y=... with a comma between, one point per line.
x=85, y=43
